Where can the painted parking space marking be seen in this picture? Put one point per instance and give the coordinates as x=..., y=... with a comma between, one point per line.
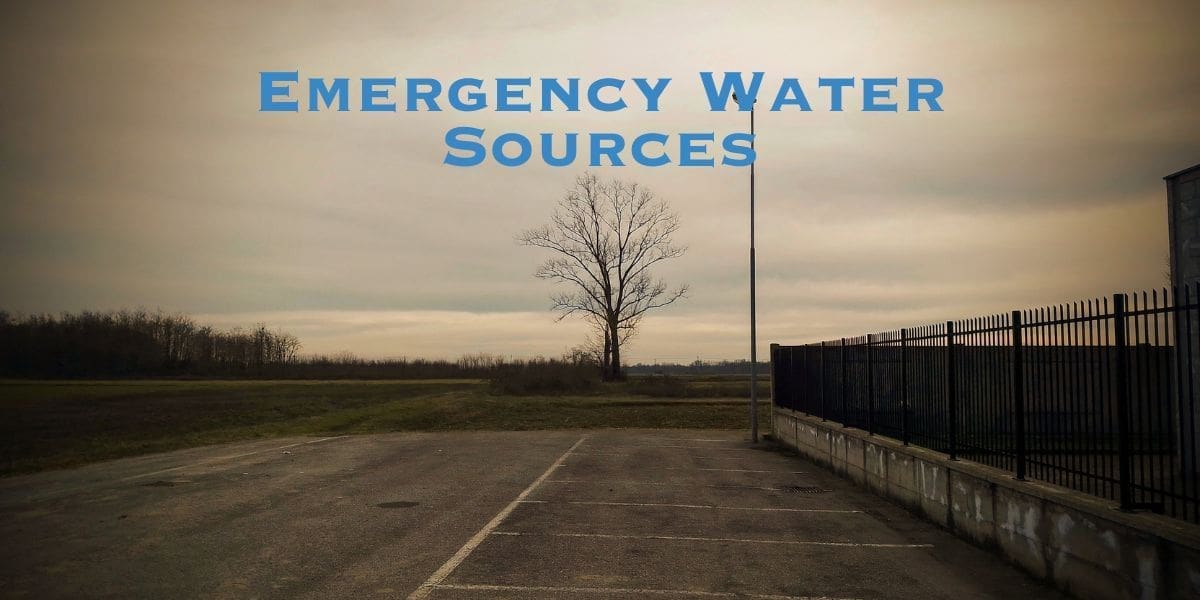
x=452, y=563
x=636, y=592
x=690, y=440
x=695, y=506
x=700, y=457
x=685, y=538
x=439, y=580
x=721, y=470
x=679, y=447
x=722, y=486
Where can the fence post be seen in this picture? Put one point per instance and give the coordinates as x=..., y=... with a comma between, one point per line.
x=791, y=389
x=1018, y=383
x=803, y=391
x=844, y=380
x=774, y=377
x=1122, y=347
x=821, y=378
x=951, y=400
x=904, y=386
x=870, y=384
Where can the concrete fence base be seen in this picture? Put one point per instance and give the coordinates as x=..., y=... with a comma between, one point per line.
x=1080, y=543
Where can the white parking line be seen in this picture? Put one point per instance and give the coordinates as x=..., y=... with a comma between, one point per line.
x=705, y=448
x=452, y=563
x=722, y=470
x=683, y=538
x=220, y=459
x=692, y=440
x=703, y=506
x=632, y=454
x=734, y=470
x=724, y=486
x=640, y=592
x=602, y=454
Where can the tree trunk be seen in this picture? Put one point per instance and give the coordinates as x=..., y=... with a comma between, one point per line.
x=615, y=367
x=606, y=360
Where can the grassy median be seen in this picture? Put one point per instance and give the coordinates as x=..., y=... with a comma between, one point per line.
x=55, y=424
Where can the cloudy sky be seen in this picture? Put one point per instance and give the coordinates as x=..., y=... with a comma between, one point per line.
x=136, y=170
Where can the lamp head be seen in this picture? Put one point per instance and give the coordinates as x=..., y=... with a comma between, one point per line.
x=735, y=99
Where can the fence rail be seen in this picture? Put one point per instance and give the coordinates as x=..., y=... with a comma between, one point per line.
x=1098, y=395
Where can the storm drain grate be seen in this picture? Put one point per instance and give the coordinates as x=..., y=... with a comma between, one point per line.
x=803, y=489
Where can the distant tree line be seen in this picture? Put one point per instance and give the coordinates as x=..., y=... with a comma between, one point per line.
x=140, y=343
x=699, y=367
x=130, y=343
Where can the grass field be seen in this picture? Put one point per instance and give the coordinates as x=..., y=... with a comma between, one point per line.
x=56, y=424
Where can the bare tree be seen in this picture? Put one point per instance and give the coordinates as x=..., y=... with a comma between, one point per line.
x=606, y=236
x=597, y=345
x=599, y=341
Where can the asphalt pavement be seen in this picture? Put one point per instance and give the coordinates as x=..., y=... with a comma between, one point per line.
x=562, y=514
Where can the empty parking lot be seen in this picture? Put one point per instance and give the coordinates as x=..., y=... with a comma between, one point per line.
x=604, y=514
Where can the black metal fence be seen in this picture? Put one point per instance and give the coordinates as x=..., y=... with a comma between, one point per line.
x=1098, y=395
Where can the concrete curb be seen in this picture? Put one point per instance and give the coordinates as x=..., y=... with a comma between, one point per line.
x=1078, y=542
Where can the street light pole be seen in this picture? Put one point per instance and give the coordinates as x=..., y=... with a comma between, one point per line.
x=753, y=315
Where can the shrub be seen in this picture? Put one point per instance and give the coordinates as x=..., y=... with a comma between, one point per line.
x=540, y=376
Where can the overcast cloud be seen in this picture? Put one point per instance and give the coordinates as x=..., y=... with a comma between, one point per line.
x=136, y=170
